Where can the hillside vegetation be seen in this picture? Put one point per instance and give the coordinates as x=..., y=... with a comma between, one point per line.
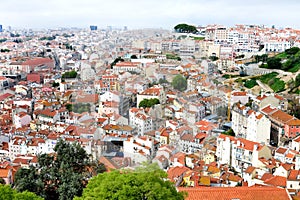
x=289, y=60
x=271, y=79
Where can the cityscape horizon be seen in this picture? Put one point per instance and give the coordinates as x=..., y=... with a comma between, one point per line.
x=142, y=14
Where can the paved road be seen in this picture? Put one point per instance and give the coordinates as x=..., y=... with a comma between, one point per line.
x=265, y=87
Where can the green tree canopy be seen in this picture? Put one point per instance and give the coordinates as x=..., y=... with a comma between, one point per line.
x=58, y=176
x=70, y=74
x=292, y=51
x=185, y=28
x=147, y=103
x=179, y=83
x=7, y=193
x=274, y=63
x=147, y=182
x=213, y=58
x=133, y=57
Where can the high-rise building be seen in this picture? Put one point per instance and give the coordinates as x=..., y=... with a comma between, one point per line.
x=93, y=28
x=1, y=30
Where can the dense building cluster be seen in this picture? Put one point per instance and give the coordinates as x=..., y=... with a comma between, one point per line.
x=86, y=86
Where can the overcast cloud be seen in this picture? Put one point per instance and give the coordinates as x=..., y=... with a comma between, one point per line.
x=147, y=13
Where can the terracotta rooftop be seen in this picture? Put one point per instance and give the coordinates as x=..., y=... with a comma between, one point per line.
x=281, y=150
x=268, y=110
x=294, y=175
x=151, y=91
x=236, y=193
x=281, y=116
x=250, y=169
x=266, y=176
x=297, y=139
x=38, y=61
x=175, y=172
x=239, y=93
x=277, y=181
x=294, y=122
x=4, y=173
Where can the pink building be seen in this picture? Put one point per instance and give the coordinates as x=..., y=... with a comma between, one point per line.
x=292, y=128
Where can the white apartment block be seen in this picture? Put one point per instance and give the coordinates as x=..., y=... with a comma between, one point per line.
x=140, y=120
x=139, y=148
x=250, y=125
x=240, y=153
x=277, y=45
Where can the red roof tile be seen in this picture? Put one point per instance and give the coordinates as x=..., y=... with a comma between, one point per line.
x=294, y=175
x=249, y=170
x=276, y=181
x=175, y=172
x=281, y=116
x=229, y=193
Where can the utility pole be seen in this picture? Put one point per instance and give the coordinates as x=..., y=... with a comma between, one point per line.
x=229, y=99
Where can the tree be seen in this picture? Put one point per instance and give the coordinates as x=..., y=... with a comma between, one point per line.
x=70, y=74
x=292, y=51
x=250, y=83
x=161, y=81
x=133, y=57
x=185, y=28
x=6, y=192
x=147, y=103
x=30, y=183
x=179, y=83
x=274, y=63
x=58, y=176
x=55, y=84
x=147, y=182
x=69, y=107
x=229, y=132
x=213, y=58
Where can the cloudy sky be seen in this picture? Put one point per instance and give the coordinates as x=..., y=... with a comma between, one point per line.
x=147, y=13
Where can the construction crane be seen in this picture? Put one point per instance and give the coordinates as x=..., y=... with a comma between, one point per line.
x=229, y=98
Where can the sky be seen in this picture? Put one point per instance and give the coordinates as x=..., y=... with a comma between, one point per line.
x=147, y=13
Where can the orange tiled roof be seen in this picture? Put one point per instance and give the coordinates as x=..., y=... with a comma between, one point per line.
x=294, y=122
x=297, y=139
x=4, y=173
x=276, y=181
x=229, y=193
x=281, y=150
x=151, y=91
x=281, y=116
x=294, y=175
x=268, y=109
x=175, y=172
x=266, y=176
x=250, y=169
x=239, y=93
x=187, y=137
x=261, y=97
x=38, y=61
